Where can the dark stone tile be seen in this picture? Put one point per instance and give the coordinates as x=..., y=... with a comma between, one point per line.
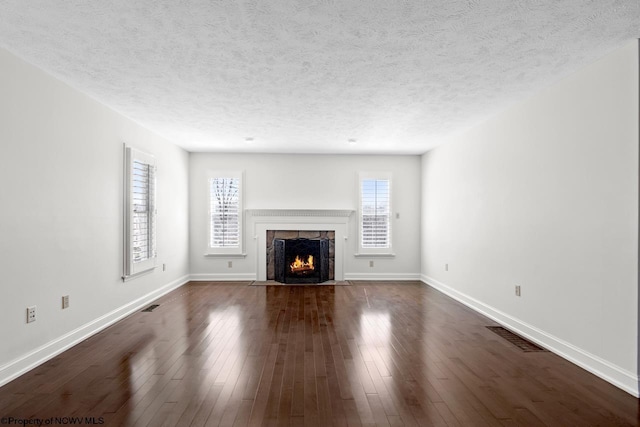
x=309, y=234
x=286, y=234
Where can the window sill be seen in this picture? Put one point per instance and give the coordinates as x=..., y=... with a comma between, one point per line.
x=138, y=274
x=223, y=255
x=375, y=255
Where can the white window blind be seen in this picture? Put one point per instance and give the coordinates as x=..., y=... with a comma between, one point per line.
x=225, y=211
x=143, y=195
x=140, y=212
x=375, y=213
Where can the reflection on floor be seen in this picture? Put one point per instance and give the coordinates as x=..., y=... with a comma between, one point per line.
x=373, y=353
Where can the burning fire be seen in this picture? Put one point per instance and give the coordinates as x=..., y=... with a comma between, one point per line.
x=300, y=265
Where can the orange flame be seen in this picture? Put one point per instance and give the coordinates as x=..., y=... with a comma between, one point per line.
x=300, y=265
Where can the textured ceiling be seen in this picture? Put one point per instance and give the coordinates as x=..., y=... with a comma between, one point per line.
x=307, y=76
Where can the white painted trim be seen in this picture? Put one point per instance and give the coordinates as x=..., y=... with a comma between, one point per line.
x=229, y=255
x=40, y=355
x=300, y=212
x=627, y=381
x=132, y=268
x=138, y=274
x=223, y=277
x=375, y=255
x=382, y=276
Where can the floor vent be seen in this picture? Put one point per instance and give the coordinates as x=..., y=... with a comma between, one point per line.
x=518, y=341
x=151, y=308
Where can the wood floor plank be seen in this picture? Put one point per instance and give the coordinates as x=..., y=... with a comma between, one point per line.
x=369, y=354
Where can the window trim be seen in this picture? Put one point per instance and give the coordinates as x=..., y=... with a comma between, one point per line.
x=132, y=268
x=228, y=251
x=379, y=252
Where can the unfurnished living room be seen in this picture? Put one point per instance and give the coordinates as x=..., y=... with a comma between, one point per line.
x=319, y=213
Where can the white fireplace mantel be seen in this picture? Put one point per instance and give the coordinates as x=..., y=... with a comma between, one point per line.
x=299, y=212
x=261, y=220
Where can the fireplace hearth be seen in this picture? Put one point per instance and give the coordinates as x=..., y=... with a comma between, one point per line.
x=301, y=260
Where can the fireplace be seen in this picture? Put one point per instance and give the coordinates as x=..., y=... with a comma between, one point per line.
x=270, y=224
x=301, y=260
x=317, y=235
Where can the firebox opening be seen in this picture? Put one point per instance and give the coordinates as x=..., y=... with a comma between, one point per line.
x=301, y=260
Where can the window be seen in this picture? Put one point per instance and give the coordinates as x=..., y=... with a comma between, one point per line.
x=375, y=213
x=140, y=212
x=225, y=213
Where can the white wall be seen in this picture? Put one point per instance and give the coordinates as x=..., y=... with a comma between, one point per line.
x=61, y=169
x=309, y=182
x=545, y=195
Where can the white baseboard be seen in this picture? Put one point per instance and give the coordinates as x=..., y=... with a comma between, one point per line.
x=228, y=277
x=382, y=276
x=34, y=358
x=232, y=277
x=627, y=381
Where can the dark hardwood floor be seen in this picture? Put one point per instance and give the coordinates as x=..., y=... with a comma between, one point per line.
x=375, y=354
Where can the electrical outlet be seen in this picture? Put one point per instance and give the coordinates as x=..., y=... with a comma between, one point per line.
x=370, y=263
x=446, y=267
x=517, y=290
x=65, y=302
x=164, y=267
x=31, y=314
x=230, y=264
